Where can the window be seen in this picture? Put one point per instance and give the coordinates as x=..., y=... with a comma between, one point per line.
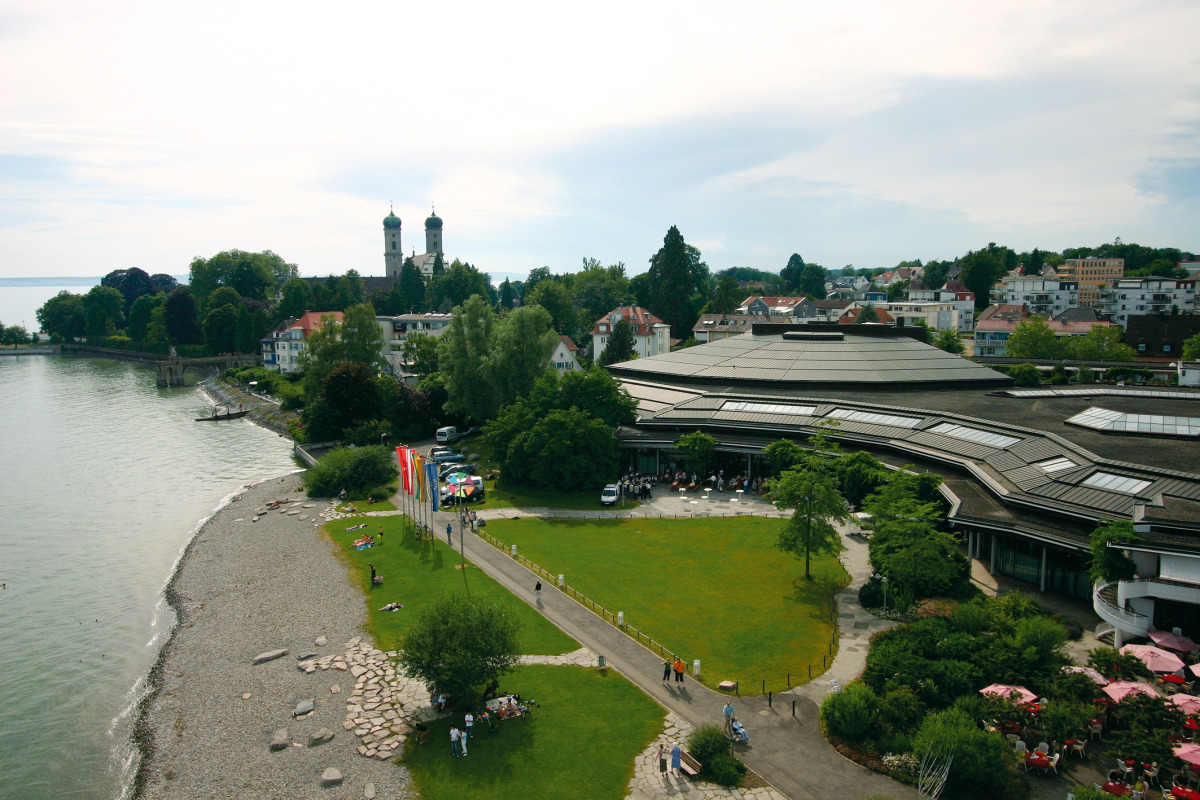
x=1115, y=483
x=768, y=408
x=1056, y=465
x=1166, y=348
x=1142, y=347
x=974, y=435
x=877, y=419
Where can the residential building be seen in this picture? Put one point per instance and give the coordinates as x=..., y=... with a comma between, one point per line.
x=886, y=279
x=832, y=310
x=1131, y=297
x=396, y=328
x=1044, y=296
x=711, y=327
x=651, y=335
x=953, y=292
x=282, y=348
x=1092, y=274
x=997, y=322
x=1161, y=335
x=935, y=316
x=778, y=307
x=565, y=357
x=882, y=317
x=1189, y=373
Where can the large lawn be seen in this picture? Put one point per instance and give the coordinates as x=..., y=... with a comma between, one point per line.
x=416, y=573
x=579, y=743
x=714, y=589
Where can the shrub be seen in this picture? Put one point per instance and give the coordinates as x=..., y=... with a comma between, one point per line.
x=904, y=763
x=900, y=709
x=983, y=763
x=368, y=433
x=848, y=714
x=355, y=470
x=724, y=770
x=707, y=742
x=870, y=595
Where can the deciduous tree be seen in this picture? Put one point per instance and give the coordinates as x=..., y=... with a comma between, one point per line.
x=103, y=310
x=62, y=316
x=1033, y=338
x=699, y=449
x=463, y=352
x=619, y=346
x=817, y=505
x=949, y=341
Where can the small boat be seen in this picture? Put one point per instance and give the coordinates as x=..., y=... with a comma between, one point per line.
x=227, y=415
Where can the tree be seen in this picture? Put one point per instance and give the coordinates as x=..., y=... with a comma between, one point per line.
x=983, y=763
x=814, y=496
x=868, y=314
x=698, y=448
x=15, y=335
x=949, y=341
x=1191, y=348
x=676, y=274
x=179, y=315
x=557, y=299
x=253, y=275
x=508, y=295
x=358, y=471
x=131, y=283
x=62, y=316
x=350, y=390
x=458, y=644
x=140, y=314
x=727, y=298
x=620, y=344
x=784, y=455
x=1100, y=343
x=224, y=296
x=812, y=281
x=599, y=290
x=463, y=352
x=220, y=328
x=981, y=270
x=420, y=353
x=246, y=334
x=1111, y=563
x=1033, y=338
x=362, y=336
x=412, y=288
x=792, y=273
x=355, y=340
x=567, y=449
x=520, y=351
x=1025, y=375
x=296, y=299
x=103, y=310
x=457, y=283
x=164, y=283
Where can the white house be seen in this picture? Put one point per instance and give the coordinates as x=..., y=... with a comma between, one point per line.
x=282, y=348
x=1152, y=295
x=565, y=356
x=651, y=335
x=953, y=292
x=1044, y=296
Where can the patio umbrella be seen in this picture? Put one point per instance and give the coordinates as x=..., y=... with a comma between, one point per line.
x=1120, y=690
x=464, y=490
x=1188, y=752
x=1157, y=659
x=1017, y=694
x=1173, y=641
x=457, y=478
x=1096, y=677
x=1188, y=704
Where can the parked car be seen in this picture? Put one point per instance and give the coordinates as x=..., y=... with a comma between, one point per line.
x=448, y=434
x=451, y=468
x=610, y=495
x=447, y=456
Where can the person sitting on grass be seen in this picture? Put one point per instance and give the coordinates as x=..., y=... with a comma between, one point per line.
x=392, y=607
x=421, y=732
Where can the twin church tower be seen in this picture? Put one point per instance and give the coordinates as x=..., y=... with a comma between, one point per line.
x=393, y=251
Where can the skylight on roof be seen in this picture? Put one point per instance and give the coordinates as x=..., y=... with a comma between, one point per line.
x=1056, y=465
x=1103, y=419
x=974, y=435
x=768, y=408
x=877, y=419
x=1116, y=483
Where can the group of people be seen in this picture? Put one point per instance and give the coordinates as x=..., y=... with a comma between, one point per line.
x=681, y=479
x=676, y=668
x=637, y=486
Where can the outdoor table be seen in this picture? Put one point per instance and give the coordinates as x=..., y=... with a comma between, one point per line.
x=1037, y=760
x=1191, y=724
x=1032, y=708
x=1184, y=793
x=1170, y=677
x=1011, y=727
x=1116, y=787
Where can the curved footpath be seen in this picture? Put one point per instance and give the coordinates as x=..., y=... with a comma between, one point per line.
x=788, y=752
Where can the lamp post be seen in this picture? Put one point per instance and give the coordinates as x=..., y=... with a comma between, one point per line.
x=382, y=436
x=883, y=579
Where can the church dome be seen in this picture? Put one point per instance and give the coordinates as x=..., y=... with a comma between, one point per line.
x=434, y=222
x=391, y=221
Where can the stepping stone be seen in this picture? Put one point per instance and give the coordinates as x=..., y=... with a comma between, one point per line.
x=320, y=737
x=270, y=655
x=246, y=696
x=331, y=777
x=304, y=707
x=280, y=739
x=321, y=641
x=306, y=656
x=369, y=791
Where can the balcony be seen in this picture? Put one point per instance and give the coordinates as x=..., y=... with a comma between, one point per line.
x=1105, y=606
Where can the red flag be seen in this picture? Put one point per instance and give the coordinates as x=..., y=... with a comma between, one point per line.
x=402, y=455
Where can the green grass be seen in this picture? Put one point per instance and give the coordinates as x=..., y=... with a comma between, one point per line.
x=361, y=505
x=714, y=589
x=580, y=742
x=416, y=573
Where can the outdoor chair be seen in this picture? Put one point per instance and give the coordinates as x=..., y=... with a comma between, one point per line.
x=1054, y=762
x=1151, y=775
x=1125, y=768
x=1080, y=747
x=1043, y=747
x=990, y=727
x=1020, y=747
x=1097, y=729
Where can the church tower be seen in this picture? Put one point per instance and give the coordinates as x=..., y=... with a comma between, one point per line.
x=433, y=234
x=393, y=254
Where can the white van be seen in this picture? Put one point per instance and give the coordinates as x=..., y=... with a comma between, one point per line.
x=447, y=435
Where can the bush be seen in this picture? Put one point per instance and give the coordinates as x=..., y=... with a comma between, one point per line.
x=723, y=770
x=848, y=714
x=355, y=470
x=707, y=742
x=870, y=595
x=901, y=709
x=368, y=433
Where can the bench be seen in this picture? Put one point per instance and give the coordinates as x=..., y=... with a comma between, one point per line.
x=689, y=765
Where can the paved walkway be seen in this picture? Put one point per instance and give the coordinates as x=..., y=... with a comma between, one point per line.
x=788, y=751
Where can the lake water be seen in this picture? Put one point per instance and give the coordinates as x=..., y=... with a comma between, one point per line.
x=19, y=304
x=105, y=479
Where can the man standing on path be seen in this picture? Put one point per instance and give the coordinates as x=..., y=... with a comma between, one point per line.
x=537, y=593
x=666, y=671
x=450, y=532
x=679, y=668
x=728, y=715
x=454, y=736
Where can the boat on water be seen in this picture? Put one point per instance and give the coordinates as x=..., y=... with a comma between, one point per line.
x=219, y=416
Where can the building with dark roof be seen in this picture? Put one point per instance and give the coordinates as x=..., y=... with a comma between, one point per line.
x=1028, y=473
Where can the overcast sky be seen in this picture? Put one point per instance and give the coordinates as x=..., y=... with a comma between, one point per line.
x=142, y=134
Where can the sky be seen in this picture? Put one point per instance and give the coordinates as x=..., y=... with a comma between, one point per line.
x=144, y=134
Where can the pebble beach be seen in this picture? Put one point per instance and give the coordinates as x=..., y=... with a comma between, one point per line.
x=254, y=582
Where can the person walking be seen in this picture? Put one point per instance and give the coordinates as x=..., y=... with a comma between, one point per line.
x=449, y=531
x=462, y=741
x=473, y=518
x=676, y=755
x=679, y=668
x=537, y=593
x=728, y=710
x=666, y=671
x=469, y=724
x=454, y=740
x=380, y=536
x=662, y=759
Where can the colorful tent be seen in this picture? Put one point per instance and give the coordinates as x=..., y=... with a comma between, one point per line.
x=1173, y=641
x=1017, y=694
x=1096, y=677
x=1189, y=704
x=1188, y=752
x=1121, y=690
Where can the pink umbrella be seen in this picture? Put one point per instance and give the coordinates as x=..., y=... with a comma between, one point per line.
x=1173, y=641
x=1016, y=694
x=1188, y=752
x=1157, y=659
x=1096, y=677
x=1195, y=668
x=1187, y=703
x=1120, y=690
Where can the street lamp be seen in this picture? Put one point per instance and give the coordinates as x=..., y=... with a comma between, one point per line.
x=382, y=436
x=883, y=579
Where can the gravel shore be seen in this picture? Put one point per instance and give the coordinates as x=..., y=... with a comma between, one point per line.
x=244, y=588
